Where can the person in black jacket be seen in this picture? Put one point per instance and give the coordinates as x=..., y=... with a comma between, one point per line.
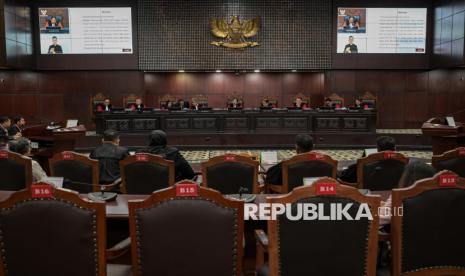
x=383, y=143
x=158, y=146
x=5, y=124
x=109, y=154
x=303, y=144
x=18, y=126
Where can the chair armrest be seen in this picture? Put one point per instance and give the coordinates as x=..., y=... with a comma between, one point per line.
x=276, y=188
x=119, y=249
x=383, y=236
x=262, y=248
x=347, y=183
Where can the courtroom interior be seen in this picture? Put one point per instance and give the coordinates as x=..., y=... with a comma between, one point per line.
x=232, y=137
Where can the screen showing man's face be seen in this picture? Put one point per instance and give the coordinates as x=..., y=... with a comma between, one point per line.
x=351, y=40
x=54, y=41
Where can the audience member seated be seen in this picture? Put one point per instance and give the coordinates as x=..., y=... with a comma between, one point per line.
x=158, y=146
x=383, y=143
x=414, y=171
x=137, y=105
x=23, y=146
x=5, y=124
x=18, y=125
x=109, y=154
x=303, y=144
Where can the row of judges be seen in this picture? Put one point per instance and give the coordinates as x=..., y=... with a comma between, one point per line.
x=234, y=103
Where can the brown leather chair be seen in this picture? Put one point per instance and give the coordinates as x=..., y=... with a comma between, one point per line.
x=179, y=235
x=80, y=173
x=453, y=160
x=59, y=234
x=15, y=171
x=380, y=171
x=228, y=173
x=428, y=238
x=310, y=164
x=308, y=247
x=145, y=173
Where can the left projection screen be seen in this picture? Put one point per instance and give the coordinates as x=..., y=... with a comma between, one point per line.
x=85, y=30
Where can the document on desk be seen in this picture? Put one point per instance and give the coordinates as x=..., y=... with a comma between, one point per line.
x=269, y=157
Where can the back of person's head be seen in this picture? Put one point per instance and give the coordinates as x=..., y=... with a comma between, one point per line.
x=303, y=143
x=384, y=143
x=21, y=146
x=4, y=119
x=158, y=138
x=414, y=171
x=110, y=135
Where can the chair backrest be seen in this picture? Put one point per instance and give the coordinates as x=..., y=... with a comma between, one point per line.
x=166, y=100
x=145, y=173
x=15, y=171
x=336, y=99
x=96, y=100
x=80, y=173
x=47, y=231
x=453, y=160
x=306, y=247
x=130, y=99
x=369, y=99
x=239, y=98
x=228, y=173
x=186, y=230
x=271, y=100
x=380, y=171
x=427, y=235
x=201, y=99
x=310, y=164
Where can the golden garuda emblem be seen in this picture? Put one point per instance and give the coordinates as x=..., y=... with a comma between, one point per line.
x=235, y=32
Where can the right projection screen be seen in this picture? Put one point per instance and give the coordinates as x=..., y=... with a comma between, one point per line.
x=381, y=30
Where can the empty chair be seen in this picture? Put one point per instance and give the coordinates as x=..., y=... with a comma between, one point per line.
x=80, y=173
x=380, y=171
x=305, y=165
x=15, y=171
x=231, y=172
x=427, y=238
x=57, y=234
x=308, y=247
x=186, y=230
x=453, y=160
x=145, y=173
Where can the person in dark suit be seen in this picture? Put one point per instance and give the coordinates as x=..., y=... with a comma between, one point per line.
x=303, y=144
x=158, y=146
x=55, y=48
x=5, y=124
x=17, y=127
x=351, y=48
x=109, y=154
x=383, y=143
x=358, y=104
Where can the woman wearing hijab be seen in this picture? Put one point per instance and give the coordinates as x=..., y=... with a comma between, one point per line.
x=158, y=146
